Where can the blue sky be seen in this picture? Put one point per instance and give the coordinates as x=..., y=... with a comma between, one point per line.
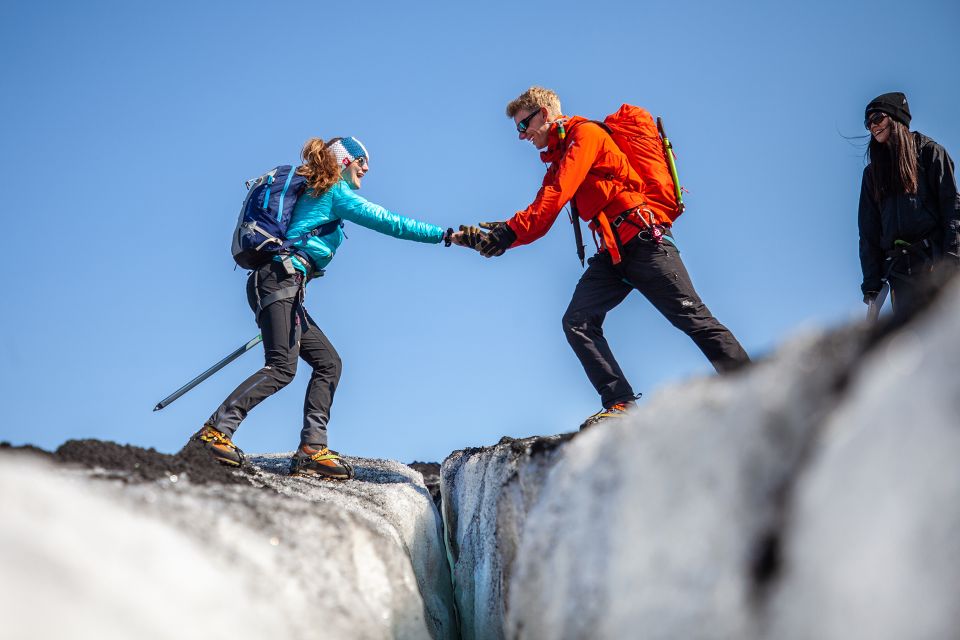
x=128, y=128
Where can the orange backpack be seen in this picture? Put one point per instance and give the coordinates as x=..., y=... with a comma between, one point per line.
x=650, y=154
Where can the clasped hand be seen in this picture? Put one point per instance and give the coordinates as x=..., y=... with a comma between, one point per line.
x=490, y=243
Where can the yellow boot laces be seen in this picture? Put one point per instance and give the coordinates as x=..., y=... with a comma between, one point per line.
x=209, y=434
x=324, y=454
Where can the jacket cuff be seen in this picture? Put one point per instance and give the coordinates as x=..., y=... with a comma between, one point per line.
x=516, y=236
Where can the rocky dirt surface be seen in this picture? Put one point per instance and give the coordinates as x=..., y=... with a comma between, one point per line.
x=135, y=464
x=431, y=477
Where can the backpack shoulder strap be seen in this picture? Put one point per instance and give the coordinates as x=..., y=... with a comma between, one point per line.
x=322, y=230
x=602, y=125
x=576, y=125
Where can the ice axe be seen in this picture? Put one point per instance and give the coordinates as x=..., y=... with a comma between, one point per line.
x=209, y=372
x=873, y=309
x=672, y=165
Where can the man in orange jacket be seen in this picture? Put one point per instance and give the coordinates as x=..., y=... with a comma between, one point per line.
x=636, y=249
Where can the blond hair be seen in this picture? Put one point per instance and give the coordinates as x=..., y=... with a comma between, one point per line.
x=320, y=166
x=535, y=98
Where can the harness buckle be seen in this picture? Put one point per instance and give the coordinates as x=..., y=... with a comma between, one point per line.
x=650, y=231
x=620, y=219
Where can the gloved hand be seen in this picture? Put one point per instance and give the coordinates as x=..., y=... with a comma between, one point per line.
x=869, y=297
x=469, y=237
x=499, y=239
x=448, y=237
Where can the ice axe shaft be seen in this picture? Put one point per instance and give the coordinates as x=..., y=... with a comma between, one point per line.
x=873, y=309
x=209, y=372
x=671, y=164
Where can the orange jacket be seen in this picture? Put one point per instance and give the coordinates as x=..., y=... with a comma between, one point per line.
x=589, y=168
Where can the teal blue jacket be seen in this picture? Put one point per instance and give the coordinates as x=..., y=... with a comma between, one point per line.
x=340, y=202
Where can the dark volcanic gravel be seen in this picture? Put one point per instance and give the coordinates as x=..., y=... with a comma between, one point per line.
x=134, y=464
x=6, y=447
x=431, y=477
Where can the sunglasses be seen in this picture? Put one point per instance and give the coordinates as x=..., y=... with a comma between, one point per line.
x=874, y=118
x=362, y=161
x=523, y=124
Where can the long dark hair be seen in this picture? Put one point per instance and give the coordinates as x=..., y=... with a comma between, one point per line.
x=893, y=164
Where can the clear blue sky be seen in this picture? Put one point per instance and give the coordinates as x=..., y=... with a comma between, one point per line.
x=127, y=129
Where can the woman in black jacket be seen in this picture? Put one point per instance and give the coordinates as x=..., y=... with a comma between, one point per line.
x=909, y=209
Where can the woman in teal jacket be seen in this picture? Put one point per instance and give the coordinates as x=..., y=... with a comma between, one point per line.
x=334, y=171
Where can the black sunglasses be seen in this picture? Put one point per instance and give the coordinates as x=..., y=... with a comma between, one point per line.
x=875, y=117
x=523, y=124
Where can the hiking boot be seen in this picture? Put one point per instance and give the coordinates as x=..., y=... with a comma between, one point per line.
x=616, y=411
x=219, y=445
x=308, y=461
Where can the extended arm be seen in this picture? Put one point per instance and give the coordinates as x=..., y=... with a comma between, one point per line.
x=354, y=208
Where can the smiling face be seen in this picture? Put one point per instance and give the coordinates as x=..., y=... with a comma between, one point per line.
x=353, y=173
x=879, y=124
x=536, y=127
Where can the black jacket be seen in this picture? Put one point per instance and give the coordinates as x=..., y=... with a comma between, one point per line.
x=932, y=214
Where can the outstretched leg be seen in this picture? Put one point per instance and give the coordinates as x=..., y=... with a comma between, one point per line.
x=278, y=326
x=659, y=274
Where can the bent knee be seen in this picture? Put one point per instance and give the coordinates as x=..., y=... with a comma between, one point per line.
x=575, y=322
x=568, y=322
x=283, y=373
x=336, y=365
x=330, y=367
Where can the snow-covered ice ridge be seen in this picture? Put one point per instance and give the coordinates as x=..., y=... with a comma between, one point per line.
x=288, y=558
x=814, y=495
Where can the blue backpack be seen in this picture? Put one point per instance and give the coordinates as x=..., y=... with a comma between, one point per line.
x=265, y=215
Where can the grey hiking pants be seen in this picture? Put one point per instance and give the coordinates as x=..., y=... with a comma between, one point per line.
x=657, y=272
x=288, y=333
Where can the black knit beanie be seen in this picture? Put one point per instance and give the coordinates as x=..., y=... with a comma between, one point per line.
x=893, y=104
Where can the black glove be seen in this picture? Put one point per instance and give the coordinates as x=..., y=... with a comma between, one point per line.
x=499, y=239
x=472, y=237
x=448, y=237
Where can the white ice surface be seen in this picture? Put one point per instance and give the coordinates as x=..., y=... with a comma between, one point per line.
x=295, y=558
x=78, y=564
x=874, y=544
x=650, y=526
x=487, y=493
x=815, y=495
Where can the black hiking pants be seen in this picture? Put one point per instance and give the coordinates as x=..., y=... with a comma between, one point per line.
x=657, y=272
x=911, y=281
x=906, y=294
x=288, y=333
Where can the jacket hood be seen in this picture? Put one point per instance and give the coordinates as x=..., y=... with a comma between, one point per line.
x=555, y=146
